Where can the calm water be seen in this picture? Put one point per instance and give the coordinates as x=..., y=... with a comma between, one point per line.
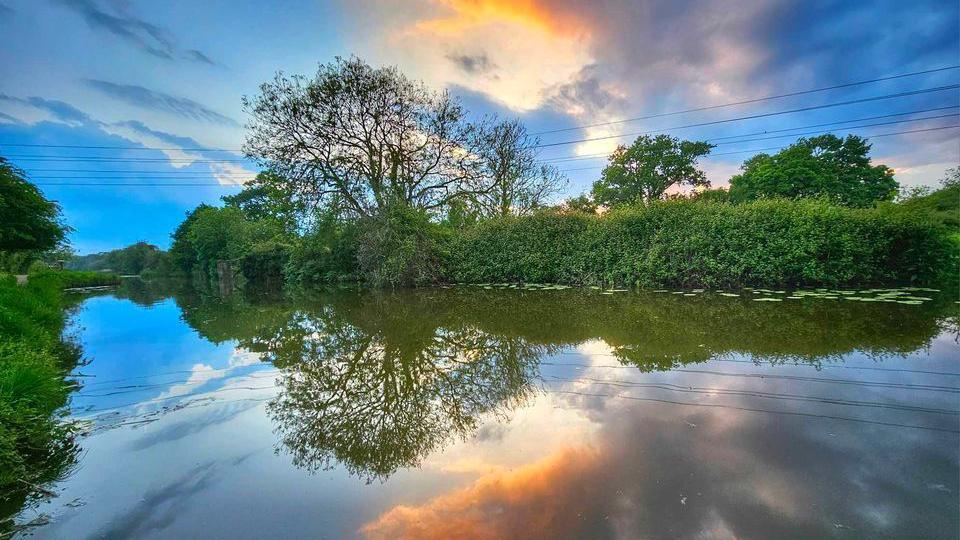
x=475, y=413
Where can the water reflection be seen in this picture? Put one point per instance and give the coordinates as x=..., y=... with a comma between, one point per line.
x=376, y=381
x=378, y=387
x=479, y=413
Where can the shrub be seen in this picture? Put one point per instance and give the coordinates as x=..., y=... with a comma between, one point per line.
x=327, y=254
x=702, y=243
x=265, y=262
x=400, y=247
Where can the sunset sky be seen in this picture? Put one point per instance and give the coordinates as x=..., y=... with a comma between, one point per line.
x=76, y=74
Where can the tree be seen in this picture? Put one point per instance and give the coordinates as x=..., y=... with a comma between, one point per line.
x=182, y=251
x=267, y=197
x=645, y=170
x=581, y=203
x=28, y=221
x=360, y=139
x=518, y=183
x=823, y=166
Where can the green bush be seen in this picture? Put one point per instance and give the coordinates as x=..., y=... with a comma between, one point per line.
x=400, y=247
x=696, y=243
x=264, y=263
x=325, y=255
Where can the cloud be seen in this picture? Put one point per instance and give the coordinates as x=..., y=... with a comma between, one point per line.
x=158, y=508
x=194, y=54
x=148, y=37
x=472, y=64
x=527, y=46
x=6, y=11
x=159, y=101
x=59, y=110
x=536, y=499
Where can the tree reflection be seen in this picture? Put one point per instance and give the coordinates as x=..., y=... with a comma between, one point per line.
x=377, y=381
x=383, y=390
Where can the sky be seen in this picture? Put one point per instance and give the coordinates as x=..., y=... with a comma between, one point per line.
x=81, y=74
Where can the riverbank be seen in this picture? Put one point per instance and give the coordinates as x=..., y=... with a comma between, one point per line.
x=35, y=357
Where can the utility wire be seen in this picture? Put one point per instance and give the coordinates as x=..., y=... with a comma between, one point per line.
x=562, y=170
x=760, y=115
x=780, y=147
x=809, y=108
x=605, y=154
x=748, y=101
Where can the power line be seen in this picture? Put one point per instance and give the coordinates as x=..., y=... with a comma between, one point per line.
x=148, y=177
x=780, y=147
x=761, y=115
x=613, y=122
x=605, y=154
x=562, y=170
x=747, y=101
x=171, y=184
x=101, y=159
x=828, y=131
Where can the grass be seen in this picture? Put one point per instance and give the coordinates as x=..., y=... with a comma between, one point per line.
x=36, y=446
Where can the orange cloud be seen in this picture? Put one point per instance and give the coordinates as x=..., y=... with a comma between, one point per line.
x=530, y=13
x=541, y=500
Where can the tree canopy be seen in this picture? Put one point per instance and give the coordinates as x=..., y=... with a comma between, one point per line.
x=518, y=184
x=823, y=166
x=29, y=221
x=359, y=138
x=645, y=170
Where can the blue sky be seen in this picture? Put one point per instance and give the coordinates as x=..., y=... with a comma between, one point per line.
x=171, y=74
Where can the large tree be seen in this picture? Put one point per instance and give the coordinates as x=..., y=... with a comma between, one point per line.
x=823, y=166
x=518, y=183
x=28, y=221
x=359, y=138
x=645, y=170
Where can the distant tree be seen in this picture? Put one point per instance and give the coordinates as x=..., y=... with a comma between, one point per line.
x=711, y=195
x=28, y=221
x=362, y=139
x=645, y=170
x=581, y=203
x=823, y=166
x=518, y=184
x=268, y=197
x=951, y=178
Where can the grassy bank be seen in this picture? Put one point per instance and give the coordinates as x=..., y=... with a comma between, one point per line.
x=690, y=243
x=35, y=445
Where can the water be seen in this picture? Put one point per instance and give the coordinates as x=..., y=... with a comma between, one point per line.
x=476, y=413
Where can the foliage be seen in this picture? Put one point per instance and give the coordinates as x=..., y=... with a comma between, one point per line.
x=211, y=234
x=356, y=139
x=30, y=221
x=325, y=254
x=267, y=197
x=718, y=195
x=942, y=204
x=645, y=170
x=35, y=447
x=823, y=166
x=182, y=251
x=135, y=259
x=692, y=243
x=518, y=183
x=265, y=262
x=400, y=247
x=580, y=203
